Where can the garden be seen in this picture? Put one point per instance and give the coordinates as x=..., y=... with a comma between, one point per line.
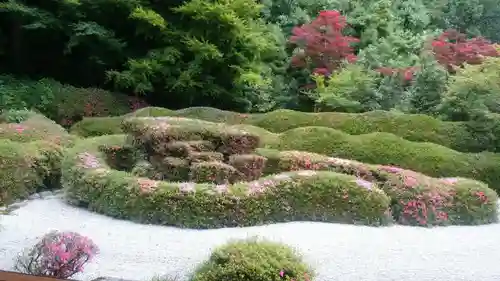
x=250, y=140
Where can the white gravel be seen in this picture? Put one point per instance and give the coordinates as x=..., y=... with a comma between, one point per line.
x=338, y=252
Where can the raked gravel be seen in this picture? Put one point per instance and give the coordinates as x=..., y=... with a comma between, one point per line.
x=338, y=252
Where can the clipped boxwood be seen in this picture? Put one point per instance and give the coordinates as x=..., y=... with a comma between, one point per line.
x=416, y=199
x=413, y=127
x=253, y=260
x=89, y=181
x=27, y=167
x=387, y=149
x=26, y=126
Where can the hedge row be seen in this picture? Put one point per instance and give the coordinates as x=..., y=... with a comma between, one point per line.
x=377, y=148
x=416, y=199
x=26, y=126
x=63, y=103
x=413, y=127
x=26, y=168
x=356, y=193
x=387, y=149
x=276, y=198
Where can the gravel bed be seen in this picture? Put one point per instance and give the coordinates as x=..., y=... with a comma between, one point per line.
x=338, y=252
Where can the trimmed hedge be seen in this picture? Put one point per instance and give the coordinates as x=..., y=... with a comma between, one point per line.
x=63, y=103
x=416, y=199
x=29, y=126
x=413, y=127
x=387, y=149
x=28, y=167
x=253, y=260
x=89, y=181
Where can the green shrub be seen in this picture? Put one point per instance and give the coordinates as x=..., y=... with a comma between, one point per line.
x=35, y=127
x=382, y=148
x=89, y=181
x=154, y=133
x=413, y=127
x=213, y=172
x=97, y=126
x=253, y=260
x=64, y=104
x=27, y=167
x=416, y=199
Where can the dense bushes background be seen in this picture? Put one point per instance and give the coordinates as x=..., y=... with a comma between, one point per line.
x=250, y=56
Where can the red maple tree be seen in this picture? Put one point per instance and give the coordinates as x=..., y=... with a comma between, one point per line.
x=452, y=49
x=322, y=45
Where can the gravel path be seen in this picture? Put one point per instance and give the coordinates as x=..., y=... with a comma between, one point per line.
x=338, y=252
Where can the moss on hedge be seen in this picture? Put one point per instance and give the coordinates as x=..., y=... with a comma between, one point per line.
x=284, y=197
x=27, y=167
x=253, y=260
x=97, y=126
x=31, y=126
x=383, y=148
x=416, y=198
x=413, y=127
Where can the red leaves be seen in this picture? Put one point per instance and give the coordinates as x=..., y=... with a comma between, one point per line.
x=406, y=73
x=323, y=45
x=452, y=49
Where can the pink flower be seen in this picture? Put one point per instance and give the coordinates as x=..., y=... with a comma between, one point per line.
x=364, y=184
x=89, y=160
x=391, y=169
x=147, y=185
x=306, y=173
x=450, y=181
x=187, y=186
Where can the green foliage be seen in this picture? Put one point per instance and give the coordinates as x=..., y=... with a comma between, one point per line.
x=27, y=167
x=388, y=149
x=351, y=89
x=473, y=91
x=61, y=103
x=418, y=128
x=428, y=87
x=207, y=205
x=252, y=260
x=447, y=200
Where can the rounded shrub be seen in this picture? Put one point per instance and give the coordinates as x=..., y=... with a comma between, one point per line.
x=254, y=260
x=35, y=127
x=89, y=181
x=27, y=167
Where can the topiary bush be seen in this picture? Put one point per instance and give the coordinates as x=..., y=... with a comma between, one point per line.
x=31, y=127
x=413, y=127
x=416, y=199
x=387, y=149
x=253, y=260
x=28, y=167
x=90, y=182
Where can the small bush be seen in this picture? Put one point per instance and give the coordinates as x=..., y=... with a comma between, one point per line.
x=59, y=255
x=253, y=260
